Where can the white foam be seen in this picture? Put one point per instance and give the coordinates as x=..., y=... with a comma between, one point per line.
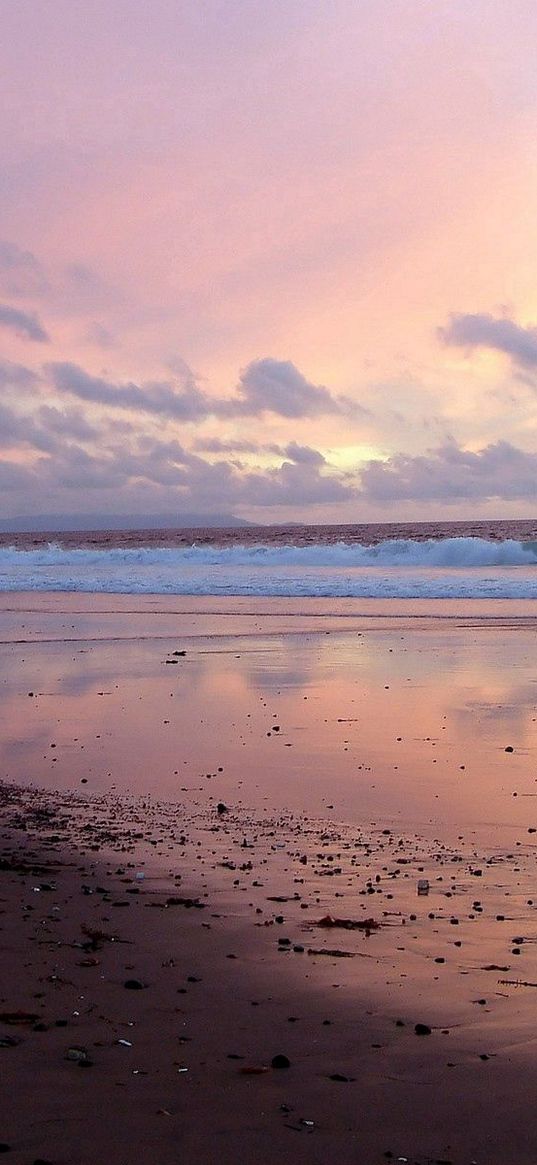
x=399, y=568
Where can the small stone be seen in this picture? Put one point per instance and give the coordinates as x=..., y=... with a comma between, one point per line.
x=422, y=1029
x=77, y=1055
x=280, y=1061
x=221, y=808
x=133, y=985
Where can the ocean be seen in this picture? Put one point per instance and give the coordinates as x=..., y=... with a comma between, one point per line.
x=422, y=560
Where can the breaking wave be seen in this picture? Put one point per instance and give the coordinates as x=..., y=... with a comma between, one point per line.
x=396, y=568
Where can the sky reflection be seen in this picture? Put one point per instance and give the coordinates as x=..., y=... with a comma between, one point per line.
x=407, y=724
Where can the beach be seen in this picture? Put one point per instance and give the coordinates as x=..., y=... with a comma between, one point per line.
x=231, y=803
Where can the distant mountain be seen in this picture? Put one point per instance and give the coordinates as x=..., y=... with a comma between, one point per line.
x=57, y=523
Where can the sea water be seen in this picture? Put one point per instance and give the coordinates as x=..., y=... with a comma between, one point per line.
x=483, y=560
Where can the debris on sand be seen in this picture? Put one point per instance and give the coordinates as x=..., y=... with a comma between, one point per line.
x=335, y=954
x=365, y=924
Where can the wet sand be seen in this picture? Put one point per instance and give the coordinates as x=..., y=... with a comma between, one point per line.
x=223, y=930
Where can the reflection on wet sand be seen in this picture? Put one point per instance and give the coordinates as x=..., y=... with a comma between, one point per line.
x=377, y=718
x=256, y=932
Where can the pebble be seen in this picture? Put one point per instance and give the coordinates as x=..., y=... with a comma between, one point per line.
x=76, y=1054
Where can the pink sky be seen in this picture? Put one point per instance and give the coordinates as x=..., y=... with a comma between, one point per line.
x=275, y=259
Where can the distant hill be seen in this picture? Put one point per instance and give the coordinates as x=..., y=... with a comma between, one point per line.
x=57, y=523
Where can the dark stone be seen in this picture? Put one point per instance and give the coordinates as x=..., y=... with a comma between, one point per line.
x=422, y=1029
x=280, y=1061
x=133, y=985
x=221, y=808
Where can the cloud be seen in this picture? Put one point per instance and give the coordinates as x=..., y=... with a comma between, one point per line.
x=24, y=323
x=67, y=423
x=160, y=399
x=100, y=336
x=267, y=385
x=47, y=429
x=217, y=445
x=487, y=331
x=294, y=485
x=159, y=474
x=292, y=451
x=16, y=375
x=450, y=473
x=277, y=386
x=16, y=477
x=18, y=429
x=12, y=256
x=77, y=469
x=303, y=454
x=20, y=272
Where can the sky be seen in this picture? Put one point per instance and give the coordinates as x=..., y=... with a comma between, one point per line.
x=273, y=258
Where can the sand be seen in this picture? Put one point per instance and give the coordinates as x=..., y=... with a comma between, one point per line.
x=228, y=932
